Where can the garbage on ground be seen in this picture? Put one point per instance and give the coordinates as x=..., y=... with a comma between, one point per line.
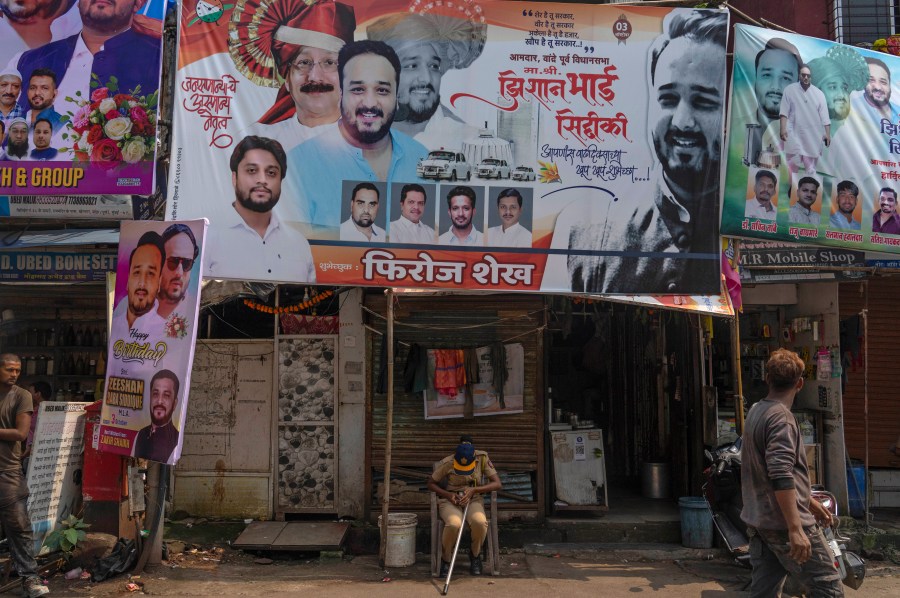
x=132, y=586
x=74, y=573
x=121, y=559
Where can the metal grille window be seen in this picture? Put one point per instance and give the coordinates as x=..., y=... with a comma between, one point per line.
x=863, y=21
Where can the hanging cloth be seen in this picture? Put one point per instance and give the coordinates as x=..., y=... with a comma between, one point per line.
x=415, y=373
x=449, y=371
x=498, y=364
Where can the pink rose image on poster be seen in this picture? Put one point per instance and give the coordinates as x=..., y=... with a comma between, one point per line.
x=99, y=94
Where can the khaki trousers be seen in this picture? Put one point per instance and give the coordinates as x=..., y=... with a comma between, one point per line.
x=452, y=517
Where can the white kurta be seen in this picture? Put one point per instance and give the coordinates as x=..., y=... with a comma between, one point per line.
x=807, y=117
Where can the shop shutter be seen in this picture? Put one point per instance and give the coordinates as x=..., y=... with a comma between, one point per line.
x=514, y=442
x=884, y=394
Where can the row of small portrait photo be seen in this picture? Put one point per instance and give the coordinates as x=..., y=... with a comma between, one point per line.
x=429, y=214
x=822, y=201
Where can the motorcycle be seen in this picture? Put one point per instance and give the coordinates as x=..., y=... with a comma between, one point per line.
x=722, y=491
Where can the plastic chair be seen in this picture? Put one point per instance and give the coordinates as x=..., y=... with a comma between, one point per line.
x=490, y=552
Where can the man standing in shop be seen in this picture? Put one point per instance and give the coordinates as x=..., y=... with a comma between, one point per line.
x=15, y=419
x=782, y=518
x=459, y=480
x=181, y=255
x=157, y=441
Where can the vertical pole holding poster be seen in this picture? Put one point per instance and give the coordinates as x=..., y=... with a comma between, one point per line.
x=736, y=348
x=865, y=319
x=389, y=424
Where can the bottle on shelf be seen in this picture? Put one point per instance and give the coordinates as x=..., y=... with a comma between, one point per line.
x=101, y=364
x=97, y=340
x=51, y=337
x=30, y=365
x=79, y=337
x=70, y=336
x=70, y=364
x=92, y=366
x=50, y=366
x=79, y=365
x=41, y=367
x=31, y=337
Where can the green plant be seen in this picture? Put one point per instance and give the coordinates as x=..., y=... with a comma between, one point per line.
x=66, y=536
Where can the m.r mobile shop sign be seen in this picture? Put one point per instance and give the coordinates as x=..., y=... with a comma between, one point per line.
x=39, y=266
x=784, y=262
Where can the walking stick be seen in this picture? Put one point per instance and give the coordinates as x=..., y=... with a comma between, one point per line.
x=462, y=526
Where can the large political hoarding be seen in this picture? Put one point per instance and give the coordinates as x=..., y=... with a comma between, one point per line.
x=79, y=87
x=813, y=143
x=478, y=145
x=151, y=343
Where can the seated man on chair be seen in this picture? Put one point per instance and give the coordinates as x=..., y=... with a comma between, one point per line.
x=456, y=481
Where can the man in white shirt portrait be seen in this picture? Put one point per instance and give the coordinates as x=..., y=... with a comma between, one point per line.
x=360, y=226
x=250, y=241
x=510, y=233
x=409, y=228
x=461, y=208
x=761, y=206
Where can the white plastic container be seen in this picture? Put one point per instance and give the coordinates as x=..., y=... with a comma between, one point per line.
x=400, y=549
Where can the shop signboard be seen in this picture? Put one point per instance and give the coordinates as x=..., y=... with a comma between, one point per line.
x=814, y=150
x=766, y=261
x=79, y=111
x=477, y=145
x=55, y=266
x=151, y=341
x=106, y=207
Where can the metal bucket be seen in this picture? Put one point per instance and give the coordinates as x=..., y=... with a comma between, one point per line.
x=655, y=480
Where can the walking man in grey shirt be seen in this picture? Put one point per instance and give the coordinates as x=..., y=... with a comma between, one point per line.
x=782, y=519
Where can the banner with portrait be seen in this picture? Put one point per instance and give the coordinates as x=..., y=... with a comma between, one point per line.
x=476, y=144
x=152, y=337
x=813, y=143
x=79, y=91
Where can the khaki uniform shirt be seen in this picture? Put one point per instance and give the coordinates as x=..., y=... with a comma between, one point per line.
x=484, y=469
